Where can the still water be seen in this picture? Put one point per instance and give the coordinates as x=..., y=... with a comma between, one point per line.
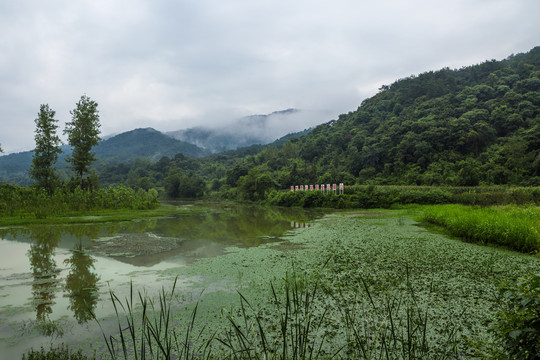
x=54, y=277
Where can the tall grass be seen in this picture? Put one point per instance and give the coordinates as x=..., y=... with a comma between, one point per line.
x=29, y=202
x=509, y=226
x=148, y=333
x=303, y=322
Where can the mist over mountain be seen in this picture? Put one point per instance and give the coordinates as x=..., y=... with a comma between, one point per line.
x=250, y=130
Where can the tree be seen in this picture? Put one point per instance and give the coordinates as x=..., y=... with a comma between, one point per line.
x=83, y=134
x=46, y=151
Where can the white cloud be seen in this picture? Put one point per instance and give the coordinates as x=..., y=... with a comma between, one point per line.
x=176, y=64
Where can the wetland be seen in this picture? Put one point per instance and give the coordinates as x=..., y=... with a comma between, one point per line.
x=367, y=282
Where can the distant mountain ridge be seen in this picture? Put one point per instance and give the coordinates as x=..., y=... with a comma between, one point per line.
x=144, y=143
x=246, y=131
x=122, y=148
x=125, y=147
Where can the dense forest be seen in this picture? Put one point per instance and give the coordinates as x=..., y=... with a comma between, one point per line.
x=479, y=125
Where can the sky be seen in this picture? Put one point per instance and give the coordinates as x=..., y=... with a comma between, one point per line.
x=176, y=64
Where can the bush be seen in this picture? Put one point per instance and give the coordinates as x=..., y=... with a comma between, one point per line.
x=61, y=352
x=32, y=202
x=518, y=326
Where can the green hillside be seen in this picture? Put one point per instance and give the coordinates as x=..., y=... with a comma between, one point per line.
x=144, y=143
x=479, y=124
x=123, y=148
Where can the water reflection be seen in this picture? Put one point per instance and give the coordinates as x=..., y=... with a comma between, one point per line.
x=81, y=284
x=45, y=283
x=195, y=232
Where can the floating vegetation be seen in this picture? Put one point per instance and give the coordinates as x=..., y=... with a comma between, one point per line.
x=358, y=289
x=136, y=244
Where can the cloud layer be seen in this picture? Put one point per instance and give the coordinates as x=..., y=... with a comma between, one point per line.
x=174, y=64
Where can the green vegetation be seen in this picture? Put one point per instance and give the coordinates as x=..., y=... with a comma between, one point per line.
x=61, y=352
x=363, y=285
x=475, y=126
x=22, y=205
x=387, y=196
x=46, y=151
x=83, y=135
x=518, y=325
x=478, y=125
x=509, y=226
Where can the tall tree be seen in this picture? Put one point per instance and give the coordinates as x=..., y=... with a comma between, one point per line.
x=83, y=134
x=46, y=151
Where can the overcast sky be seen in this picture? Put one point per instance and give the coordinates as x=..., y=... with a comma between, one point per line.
x=177, y=64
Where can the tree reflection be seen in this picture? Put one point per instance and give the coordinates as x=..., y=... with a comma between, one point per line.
x=45, y=284
x=81, y=284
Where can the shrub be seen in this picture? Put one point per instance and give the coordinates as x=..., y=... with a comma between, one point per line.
x=518, y=325
x=60, y=352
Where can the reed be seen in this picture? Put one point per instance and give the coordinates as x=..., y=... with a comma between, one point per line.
x=509, y=226
x=303, y=322
x=149, y=333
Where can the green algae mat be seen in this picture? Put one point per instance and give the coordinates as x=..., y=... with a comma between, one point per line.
x=354, y=284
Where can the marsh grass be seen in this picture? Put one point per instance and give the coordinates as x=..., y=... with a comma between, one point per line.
x=146, y=331
x=509, y=226
x=302, y=322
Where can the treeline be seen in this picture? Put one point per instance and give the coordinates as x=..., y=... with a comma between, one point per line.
x=386, y=196
x=478, y=125
x=49, y=195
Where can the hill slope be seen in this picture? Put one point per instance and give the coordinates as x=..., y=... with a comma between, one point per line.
x=479, y=124
x=123, y=148
x=144, y=143
x=475, y=125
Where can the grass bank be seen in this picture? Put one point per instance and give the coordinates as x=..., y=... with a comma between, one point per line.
x=25, y=205
x=370, y=284
x=510, y=226
x=92, y=216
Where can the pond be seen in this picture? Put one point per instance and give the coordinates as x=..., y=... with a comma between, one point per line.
x=54, y=277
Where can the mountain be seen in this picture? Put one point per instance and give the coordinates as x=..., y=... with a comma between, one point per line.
x=122, y=148
x=144, y=143
x=470, y=126
x=250, y=130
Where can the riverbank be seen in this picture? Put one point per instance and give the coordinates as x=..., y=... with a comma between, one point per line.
x=93, y=216
x=375, y=280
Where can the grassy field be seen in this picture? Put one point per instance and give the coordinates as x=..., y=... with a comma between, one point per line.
x=363, y=285
x=510, y=226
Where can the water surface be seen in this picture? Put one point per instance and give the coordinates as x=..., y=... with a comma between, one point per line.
x=54, y=277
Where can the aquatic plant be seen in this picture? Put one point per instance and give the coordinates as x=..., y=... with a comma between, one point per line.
x=149, y=333
x=518, y=327
x=303, y=322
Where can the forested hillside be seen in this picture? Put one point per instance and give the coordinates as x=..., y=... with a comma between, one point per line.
x=122, y=148
x=472, y=126
x=479, y=125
